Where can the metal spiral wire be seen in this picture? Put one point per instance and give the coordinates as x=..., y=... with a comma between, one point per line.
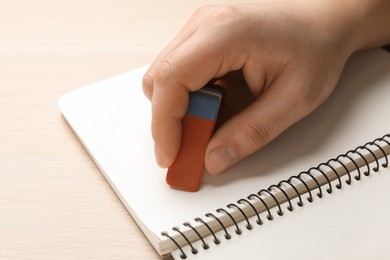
x=268, y=200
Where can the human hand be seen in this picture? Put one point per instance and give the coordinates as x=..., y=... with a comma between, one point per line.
x=291, y=55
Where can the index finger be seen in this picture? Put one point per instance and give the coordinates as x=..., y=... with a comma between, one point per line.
x=187, y=68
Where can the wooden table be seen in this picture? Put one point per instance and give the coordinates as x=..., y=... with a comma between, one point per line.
x=54, y=203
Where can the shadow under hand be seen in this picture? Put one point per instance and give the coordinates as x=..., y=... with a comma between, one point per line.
x=235, y=96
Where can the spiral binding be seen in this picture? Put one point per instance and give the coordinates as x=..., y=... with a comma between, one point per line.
x=340, y=162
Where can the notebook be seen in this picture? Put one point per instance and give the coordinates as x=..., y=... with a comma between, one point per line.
x=246, y=211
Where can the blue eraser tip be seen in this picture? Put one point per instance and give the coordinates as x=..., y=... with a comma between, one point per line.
x=204, y=103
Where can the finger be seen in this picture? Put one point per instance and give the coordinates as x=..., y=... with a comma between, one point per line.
x=273, y=112
x=185, y=33
x=208, y=57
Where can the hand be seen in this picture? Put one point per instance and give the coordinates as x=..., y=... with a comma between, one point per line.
x=291, y=55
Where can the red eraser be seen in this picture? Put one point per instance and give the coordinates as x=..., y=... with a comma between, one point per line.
x=197, y=127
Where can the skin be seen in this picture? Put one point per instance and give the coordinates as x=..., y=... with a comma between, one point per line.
x=290, y=53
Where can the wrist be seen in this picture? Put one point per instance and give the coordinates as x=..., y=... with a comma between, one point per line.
x=373, y=25
x=349, y=25
x=356, y=24
x=329, y=25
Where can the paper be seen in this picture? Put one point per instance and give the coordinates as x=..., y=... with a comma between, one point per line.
x=112, y=119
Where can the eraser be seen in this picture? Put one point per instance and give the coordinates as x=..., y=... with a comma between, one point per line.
x=197, y=127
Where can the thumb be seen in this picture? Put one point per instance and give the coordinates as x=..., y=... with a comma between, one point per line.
x=270, y=114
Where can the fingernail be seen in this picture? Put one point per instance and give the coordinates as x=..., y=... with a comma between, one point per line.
x=222, y=158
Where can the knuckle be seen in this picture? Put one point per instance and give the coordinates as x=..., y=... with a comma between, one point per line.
x=164, y=71
x=258, y=134
x=225, y=13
